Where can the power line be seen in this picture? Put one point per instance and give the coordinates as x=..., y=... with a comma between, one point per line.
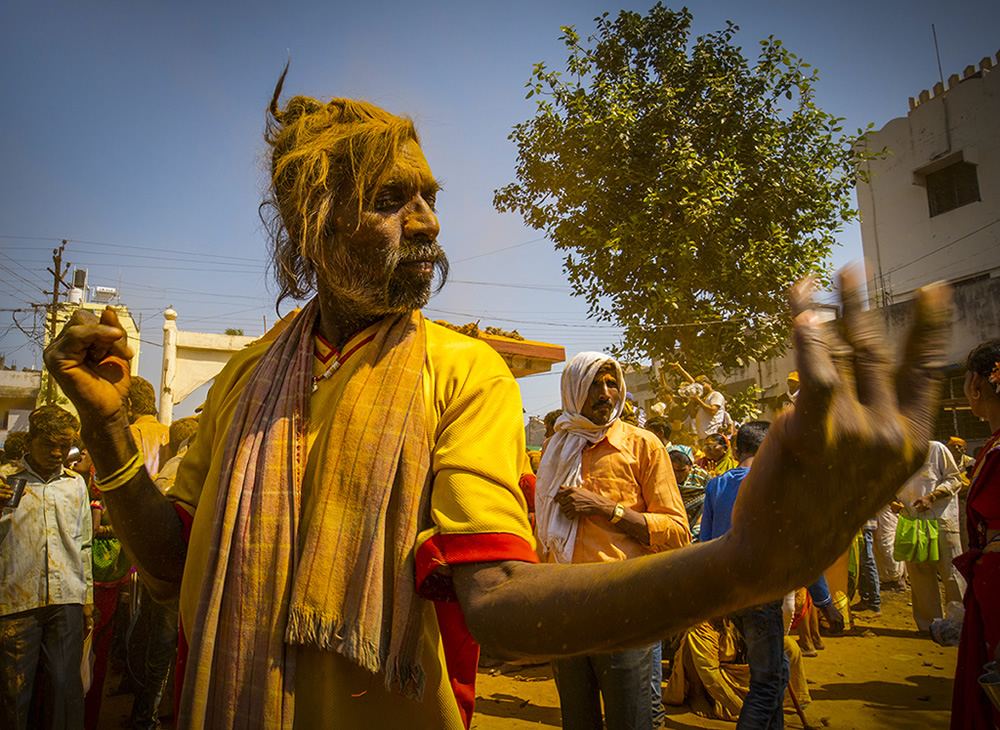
x=212, y=294
x=534, y=287
x=254, y=266
x=14, y=273
x=903, y=283
x=145, y=257
x=131, y=246
x=222, y=316
x=518, y=321
x=207, y=267
x=18, y=263
x=941, y=248
x=498, y=250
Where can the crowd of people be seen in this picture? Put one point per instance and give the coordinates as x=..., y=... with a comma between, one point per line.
x=351, y=521
x=747, y=658
x=61, y=561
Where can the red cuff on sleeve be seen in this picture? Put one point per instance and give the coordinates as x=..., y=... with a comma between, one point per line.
x=441, y=551
x=527, y=485
x=461, y=655
x=186, y=521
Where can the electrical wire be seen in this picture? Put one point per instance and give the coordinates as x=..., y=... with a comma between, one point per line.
x=533, y=287
x=18, y=276
x=942, y=247
x=129, y=247
x=498, y=250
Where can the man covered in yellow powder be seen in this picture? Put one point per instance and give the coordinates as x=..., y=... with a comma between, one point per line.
x=150, y=435
x=46, y=578
x=350, y=503
x=964, y=462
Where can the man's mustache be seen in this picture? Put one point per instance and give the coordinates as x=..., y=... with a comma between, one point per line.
x=431, y=251
x=424, y=251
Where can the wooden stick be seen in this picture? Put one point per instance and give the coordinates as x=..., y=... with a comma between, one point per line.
x=798, y=708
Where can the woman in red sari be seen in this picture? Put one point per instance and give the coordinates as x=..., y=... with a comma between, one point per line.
x=970, y=707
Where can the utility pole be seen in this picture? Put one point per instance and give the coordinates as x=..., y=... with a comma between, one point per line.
x=57, y=272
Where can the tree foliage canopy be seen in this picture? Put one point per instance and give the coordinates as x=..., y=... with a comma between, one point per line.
x=688, y=188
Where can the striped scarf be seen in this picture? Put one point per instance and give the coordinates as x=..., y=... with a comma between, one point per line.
x=261, y=594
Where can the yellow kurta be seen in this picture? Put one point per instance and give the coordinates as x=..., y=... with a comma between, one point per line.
x=473, y=411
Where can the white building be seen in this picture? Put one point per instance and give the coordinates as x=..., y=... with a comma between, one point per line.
x=931, y=210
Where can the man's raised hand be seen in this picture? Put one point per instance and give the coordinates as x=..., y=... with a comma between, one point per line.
x=858, y=430
x=90, y=360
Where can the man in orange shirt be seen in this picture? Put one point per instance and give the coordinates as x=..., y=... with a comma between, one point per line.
x=605, y=492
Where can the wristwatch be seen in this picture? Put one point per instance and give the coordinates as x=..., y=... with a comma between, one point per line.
x=617, y=514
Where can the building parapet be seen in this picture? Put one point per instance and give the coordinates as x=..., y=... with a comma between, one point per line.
x=985, y=66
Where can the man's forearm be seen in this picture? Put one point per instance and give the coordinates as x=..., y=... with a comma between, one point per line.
x=522, y=609
x=149, y=528
x=144, y=520
x=950, y=486
x=684, y=373
x=109, y=441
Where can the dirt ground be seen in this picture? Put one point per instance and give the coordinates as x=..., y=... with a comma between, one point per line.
x=883, y=674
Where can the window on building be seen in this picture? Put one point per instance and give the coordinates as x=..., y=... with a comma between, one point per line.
x=952, y=187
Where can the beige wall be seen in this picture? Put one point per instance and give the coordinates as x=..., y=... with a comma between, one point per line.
x=191, y=359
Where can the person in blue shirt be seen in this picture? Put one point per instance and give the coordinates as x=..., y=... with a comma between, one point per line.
x=762, y=626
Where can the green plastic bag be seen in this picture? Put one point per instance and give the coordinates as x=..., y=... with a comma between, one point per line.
x=916, y=540
x=110, y=561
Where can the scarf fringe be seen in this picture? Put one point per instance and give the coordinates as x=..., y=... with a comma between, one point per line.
x=327, y=633
x=409, y=679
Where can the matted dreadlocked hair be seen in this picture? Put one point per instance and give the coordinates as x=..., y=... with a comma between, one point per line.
x=321, y=153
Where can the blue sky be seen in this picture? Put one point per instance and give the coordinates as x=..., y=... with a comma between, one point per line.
x=134, y=131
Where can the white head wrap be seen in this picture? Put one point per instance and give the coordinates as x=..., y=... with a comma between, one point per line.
x=563, y=457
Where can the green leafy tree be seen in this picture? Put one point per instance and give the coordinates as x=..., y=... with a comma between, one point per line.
x=687, y=188
x=233, y=331
x=745, y=405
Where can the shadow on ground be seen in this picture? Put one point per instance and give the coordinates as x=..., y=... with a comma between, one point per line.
x=504, y=705
x=906, y=694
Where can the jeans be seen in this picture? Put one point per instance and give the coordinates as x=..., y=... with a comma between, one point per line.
x=622, y=679
x=763, y=629
x=53, y=634
x=819, y=592
x=656, y=685
x=161, y=652
x=868, y=587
